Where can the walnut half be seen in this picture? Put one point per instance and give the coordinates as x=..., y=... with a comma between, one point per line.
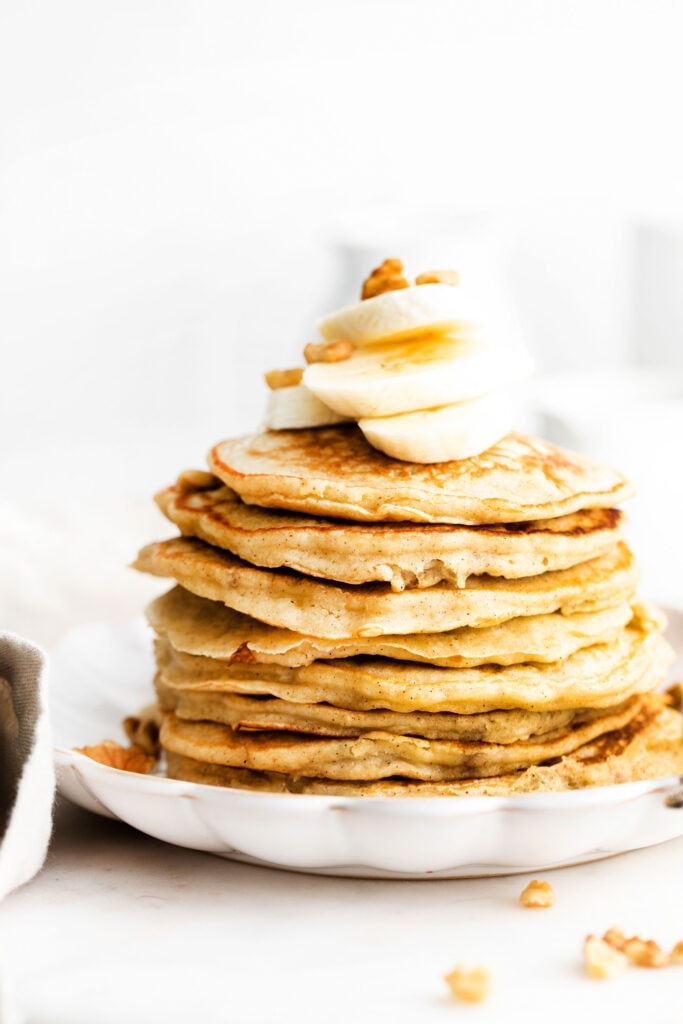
x=387, y=277
x=128, y=759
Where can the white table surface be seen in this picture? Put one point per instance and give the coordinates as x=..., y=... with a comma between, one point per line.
x=121, y=928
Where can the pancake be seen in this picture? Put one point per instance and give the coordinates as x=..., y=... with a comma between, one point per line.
x=376, y=755
x=596, y=677
x=322, y=608
x=649, y=746
x=334, y=472
x=402, y=554
x=196, y=625
x=271, y=714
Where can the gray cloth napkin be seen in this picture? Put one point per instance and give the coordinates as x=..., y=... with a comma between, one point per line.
x=27, y=779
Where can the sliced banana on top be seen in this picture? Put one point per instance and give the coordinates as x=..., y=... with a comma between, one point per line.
x=456, y=431
x=435, y=308
x=424, y=373
x=413, y=370
x=295, y=407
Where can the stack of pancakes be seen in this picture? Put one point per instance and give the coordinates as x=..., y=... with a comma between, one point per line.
x=346, y=623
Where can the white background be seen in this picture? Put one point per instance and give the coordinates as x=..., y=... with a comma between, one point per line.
x=186, y=185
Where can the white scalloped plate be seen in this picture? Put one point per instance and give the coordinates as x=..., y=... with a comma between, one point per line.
x=101, y=673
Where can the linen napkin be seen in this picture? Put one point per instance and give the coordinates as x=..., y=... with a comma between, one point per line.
x=27, y=781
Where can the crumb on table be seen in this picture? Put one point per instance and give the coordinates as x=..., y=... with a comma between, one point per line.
x=469, y=984
x=537, y=894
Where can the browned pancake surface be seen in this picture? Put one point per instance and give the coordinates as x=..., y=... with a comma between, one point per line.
x=334, y=471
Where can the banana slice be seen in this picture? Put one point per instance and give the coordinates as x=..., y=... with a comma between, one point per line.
x=295, y=407
x=435, y=308
x=424, y=373
x=439, y=435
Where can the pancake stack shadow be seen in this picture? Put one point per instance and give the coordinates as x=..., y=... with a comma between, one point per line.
x=346, y=624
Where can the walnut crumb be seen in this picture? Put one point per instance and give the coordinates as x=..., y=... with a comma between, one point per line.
x=537, y=894
x=129, y=759
x=469, y=984
x=676, y=954
x=602, y=960
x=451, y=277
x=328, y=352
x=388, y=277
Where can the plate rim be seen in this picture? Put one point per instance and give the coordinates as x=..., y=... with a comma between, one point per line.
x=621, y=792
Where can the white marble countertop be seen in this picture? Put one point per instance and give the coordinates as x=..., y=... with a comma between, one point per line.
x=119, y=927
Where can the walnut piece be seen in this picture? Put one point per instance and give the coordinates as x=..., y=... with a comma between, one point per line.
x=328, y=352
x=674, y=696
x=197, y=480
x=602, y=960
x=277, y=379
x=388, y=277
x=451, y=277
x=129, y=759
x=537, y=894
x=641, y=952
x=143, y=729
x=469, y=984
x=645, y=953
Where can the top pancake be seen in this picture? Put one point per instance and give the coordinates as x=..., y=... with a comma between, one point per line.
x=334, y=472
